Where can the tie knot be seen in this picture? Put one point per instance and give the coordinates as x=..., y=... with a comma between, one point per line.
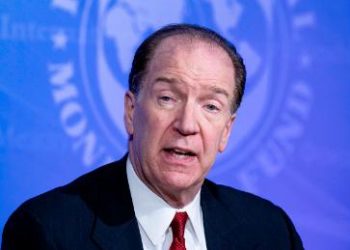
x=178, y=225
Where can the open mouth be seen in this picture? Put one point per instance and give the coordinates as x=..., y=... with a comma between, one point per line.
x=180, y=152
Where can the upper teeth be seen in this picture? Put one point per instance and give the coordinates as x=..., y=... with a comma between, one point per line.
x=178, y=151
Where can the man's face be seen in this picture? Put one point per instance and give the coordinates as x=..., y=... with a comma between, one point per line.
x=181, y=117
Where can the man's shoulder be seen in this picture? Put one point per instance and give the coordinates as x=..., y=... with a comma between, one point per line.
x=251, y=209
x=229, y=195
x=62, y=214
x=75, y=198
x=255, y=219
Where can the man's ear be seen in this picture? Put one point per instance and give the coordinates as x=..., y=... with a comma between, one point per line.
x=226, y=133
x=129, y=110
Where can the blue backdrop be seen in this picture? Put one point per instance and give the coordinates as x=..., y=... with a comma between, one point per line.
x=63, y=72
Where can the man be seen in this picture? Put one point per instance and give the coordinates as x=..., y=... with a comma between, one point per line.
x=185, y=86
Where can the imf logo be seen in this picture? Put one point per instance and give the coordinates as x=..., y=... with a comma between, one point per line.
x=275, y=106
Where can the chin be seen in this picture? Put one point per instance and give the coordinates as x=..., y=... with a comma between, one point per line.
x=180, y=183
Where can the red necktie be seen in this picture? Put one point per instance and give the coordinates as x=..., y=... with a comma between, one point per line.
x=178, y=227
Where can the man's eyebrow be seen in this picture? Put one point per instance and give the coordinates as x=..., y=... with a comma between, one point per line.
x=166, y=79
x=218, y=90
x=215, y=89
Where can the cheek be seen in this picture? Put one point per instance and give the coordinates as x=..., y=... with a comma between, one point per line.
x=141, y=129
x=214, y=139
x=151, y=126
x=210, y=144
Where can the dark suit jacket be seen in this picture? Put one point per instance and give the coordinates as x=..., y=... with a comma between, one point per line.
x=96, y=212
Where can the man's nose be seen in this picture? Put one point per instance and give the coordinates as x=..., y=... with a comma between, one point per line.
x=186, y=122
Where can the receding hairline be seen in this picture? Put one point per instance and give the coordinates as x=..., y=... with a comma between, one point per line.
x=189, y=40
x=146, y=51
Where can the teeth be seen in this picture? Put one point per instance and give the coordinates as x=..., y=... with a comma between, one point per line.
x=180, y=152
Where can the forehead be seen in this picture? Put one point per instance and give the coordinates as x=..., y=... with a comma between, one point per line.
x=185, y=45
x=192, y=58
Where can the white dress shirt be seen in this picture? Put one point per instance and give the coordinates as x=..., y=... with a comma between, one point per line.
x=154, y=216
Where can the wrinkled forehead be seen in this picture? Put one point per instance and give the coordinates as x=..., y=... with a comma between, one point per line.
x=166, y=52
x=192, y=60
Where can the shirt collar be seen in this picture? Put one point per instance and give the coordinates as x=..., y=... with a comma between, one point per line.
x=154, y=214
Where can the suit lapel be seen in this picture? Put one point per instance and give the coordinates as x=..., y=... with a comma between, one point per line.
x=115, y=225
x=222, y=228
x=124, y=236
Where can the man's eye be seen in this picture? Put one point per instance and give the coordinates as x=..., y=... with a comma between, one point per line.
x=166, y=101
x=165, y=98
x=212, y=108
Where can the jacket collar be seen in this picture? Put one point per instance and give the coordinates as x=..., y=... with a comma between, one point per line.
x=115, y=225
x=223, y=228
